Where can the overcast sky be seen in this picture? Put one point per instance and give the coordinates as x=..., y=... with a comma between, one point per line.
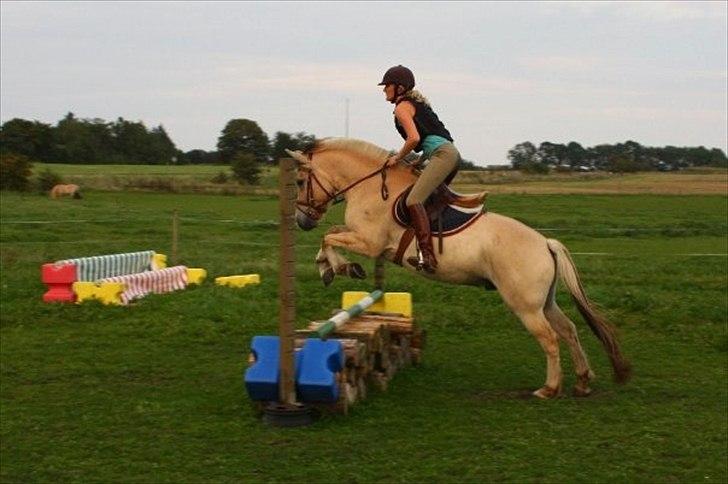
x=496, y=73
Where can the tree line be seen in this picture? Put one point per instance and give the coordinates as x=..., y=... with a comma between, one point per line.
x=244, y=146
x=96, y=141
x=87, y=141
x=621, y=157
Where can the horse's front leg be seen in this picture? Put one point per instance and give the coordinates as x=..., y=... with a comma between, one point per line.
x=331, y=262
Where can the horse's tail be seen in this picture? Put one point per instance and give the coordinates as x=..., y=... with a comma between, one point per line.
x=599, y=325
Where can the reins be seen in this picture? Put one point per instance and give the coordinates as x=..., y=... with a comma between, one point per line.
x=318, y=206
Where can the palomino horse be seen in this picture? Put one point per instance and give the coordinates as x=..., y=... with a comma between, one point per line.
x=495, y=250
x=61, y=190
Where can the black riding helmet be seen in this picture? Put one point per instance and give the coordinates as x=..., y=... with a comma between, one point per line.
x=400, y=76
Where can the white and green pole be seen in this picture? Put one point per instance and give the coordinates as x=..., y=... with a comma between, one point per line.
x=339, y=319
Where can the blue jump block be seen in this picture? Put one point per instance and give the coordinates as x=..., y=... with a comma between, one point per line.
x=316, y=372
x=315, y=367
x=261, y=379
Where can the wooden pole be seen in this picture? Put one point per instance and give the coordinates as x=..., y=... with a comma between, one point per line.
x=175, y=236
x=287, y=291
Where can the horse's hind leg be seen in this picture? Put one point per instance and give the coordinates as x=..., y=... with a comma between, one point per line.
x=566, y=329
x=539, y=327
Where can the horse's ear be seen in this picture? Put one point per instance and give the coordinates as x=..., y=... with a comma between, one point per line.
x=303, y=163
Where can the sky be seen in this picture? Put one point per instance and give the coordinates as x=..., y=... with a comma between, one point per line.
x=496, y=73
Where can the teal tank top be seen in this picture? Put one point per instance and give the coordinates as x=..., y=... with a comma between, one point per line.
x=431, y=143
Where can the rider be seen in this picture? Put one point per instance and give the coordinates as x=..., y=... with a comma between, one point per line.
x=422, y=131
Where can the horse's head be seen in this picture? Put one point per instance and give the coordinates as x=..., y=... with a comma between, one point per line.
x=329, y=169
x=313, y=199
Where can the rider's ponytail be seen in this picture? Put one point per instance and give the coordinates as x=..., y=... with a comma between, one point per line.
x=416, y=95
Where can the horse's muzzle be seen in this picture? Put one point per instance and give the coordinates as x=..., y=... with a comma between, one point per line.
x=304, y=221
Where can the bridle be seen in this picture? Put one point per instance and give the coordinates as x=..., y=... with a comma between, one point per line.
x=315, y=210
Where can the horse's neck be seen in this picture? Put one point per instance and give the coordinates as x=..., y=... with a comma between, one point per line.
x=345, y=170
x=348, y=169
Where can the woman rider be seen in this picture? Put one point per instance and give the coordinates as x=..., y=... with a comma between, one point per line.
x=422, y=131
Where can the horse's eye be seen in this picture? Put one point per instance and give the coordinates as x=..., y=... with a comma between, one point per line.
x=299, y=183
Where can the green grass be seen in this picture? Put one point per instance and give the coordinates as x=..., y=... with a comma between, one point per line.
x=162, y=178
x=153, y=392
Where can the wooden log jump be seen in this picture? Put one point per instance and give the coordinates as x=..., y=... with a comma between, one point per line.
x=333, y=363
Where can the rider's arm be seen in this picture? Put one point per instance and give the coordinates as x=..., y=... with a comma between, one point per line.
x=405, y=113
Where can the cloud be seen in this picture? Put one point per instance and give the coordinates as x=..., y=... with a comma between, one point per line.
x=658, y=113
x=647, y=10
x=223, y=78
x=561, y=63
x=708, y=74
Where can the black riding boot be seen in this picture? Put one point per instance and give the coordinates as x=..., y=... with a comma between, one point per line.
x=421, y=224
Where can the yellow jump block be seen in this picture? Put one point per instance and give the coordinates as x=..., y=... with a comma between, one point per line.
x=196, y=275
x=159, y=261
x=107, y=292
x=238, y=281
x=391, y=302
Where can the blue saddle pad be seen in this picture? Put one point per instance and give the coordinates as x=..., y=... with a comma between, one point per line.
x=453, y=219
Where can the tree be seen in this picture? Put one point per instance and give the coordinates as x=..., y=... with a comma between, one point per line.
x=575, y=154
x=464, y=164
x=199, y=157
x=522, y=154
x=243, y=136
x=29, y=138
x=129, y=140
x=622, y=164
x=598, y=156
x=83, y=141
x=133, y=143
x=246, y=168
x=15, y=171
x=718, y=158
x=550, y=153
x=283, y=141
x=162, y=149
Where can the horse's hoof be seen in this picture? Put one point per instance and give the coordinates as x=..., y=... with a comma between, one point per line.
x=581, y=389
x=546, y=393
x=327, y=277
x=582, y=392
x=356, y=271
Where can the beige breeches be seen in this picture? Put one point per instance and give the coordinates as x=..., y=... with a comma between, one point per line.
x=442, y=162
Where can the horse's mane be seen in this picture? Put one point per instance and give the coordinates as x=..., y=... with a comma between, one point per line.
x=364, y=148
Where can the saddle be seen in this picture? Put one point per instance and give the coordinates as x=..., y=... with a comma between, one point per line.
x=449, y=213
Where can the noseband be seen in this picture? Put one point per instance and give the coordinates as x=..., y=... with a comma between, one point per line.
x=315, y=210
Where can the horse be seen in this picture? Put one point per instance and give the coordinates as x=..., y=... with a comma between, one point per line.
x=61, y=190
x=495, y=251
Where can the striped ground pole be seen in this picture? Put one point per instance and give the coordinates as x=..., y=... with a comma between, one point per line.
x=157, y=282
x=103, y=266
x=342, y=317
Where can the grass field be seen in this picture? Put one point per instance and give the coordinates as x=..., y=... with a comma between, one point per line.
x=153, y=392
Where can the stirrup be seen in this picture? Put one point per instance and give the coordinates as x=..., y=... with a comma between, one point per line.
x=419, y=263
